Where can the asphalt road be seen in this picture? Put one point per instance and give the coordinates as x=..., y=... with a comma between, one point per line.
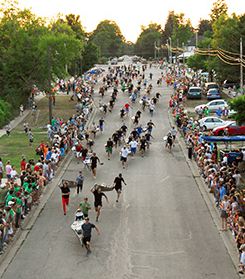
x=160, y=228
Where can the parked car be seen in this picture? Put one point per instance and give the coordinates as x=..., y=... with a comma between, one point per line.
x=211, y=122
x=213, y=94
x=210, y=85
x=114, y=61
x=232, y=129
x=213, y=105
x=194, y=93
x=231, y=84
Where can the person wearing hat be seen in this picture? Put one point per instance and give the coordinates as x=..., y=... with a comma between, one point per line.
x=242, y=259
x=86, y=234
x=84, y=206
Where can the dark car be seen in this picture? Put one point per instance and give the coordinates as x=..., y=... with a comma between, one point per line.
x=213, y=94
x=231, y=84
x=194, y=93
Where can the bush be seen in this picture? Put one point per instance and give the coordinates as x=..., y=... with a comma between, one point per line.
x=6, y=113
x=103, y=60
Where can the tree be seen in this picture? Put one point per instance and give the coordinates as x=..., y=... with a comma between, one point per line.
x=76, y=25
x=219, y=8
x=24, y=39
x=226, y=38
x=108, y=37
x=204, y=26
x=182, y=30
x=148, y=39
x=90, y=56
x=168, y=29
x=238, y=104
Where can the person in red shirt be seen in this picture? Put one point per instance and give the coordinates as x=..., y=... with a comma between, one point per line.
x=127, y=106
x=79, y=148
x=23, y=164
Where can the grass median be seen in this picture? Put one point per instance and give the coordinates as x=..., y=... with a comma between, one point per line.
x=12, y=148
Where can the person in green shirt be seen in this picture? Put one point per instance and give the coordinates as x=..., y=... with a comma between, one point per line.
x=53, y=122
x=10, y=196
x=206, y=111
x=84, y=207
x=18, y=209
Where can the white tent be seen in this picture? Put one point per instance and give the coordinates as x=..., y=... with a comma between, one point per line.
x=186, y=54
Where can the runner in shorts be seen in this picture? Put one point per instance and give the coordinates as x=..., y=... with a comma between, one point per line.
x=124, y=154
x=86, y=233
x=142, y=146
x=169, y=142
x=118, y=185
x=133, y=145
x=94, y=160
x=109, y=146
x=98, y=200
x=174, y=132
x=127, y=106
x=148, y=137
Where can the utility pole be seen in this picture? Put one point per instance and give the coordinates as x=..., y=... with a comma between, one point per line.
x=183, y=46
x=155, y=51
x=177, y=54
x=241, y=68
x=209, y=78
x=170, y=51
x=49, y=85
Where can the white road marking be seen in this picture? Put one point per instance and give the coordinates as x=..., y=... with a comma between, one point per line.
x=164, y=179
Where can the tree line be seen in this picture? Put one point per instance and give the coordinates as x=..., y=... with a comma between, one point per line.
x=24, y=39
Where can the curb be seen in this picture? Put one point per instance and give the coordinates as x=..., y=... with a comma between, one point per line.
x=226, y=237
x=27, y=224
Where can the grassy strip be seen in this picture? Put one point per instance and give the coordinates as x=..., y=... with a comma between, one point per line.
x=12, y=148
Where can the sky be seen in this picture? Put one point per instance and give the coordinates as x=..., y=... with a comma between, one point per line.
x=129, y=15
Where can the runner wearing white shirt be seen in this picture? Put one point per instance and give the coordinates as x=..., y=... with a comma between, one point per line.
x=124, y=154
x=133, y=145
x=13, y=173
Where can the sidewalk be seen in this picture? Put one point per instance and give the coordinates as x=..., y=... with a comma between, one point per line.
x=227, y=238
x=15, y=122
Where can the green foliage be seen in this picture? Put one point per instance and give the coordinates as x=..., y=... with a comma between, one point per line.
x=5, y=113
x=238, y=104
x=24, y=39
x=219, y=8
x=204, y=26
x=168, y=29
x=102, y=60
x=145, y=45
x=90, y=56
x=182, y=30
x=227, y=33
x=108, y=37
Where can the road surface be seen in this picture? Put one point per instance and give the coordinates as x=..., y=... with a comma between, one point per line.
x=160, y=228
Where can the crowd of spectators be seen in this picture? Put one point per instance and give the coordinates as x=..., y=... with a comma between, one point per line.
x=222, y=178
x=22, y=191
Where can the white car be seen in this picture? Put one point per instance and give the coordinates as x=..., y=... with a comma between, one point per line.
x=213, y=105
x=211, y=122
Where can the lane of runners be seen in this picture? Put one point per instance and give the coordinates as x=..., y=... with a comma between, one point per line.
x=136, y=85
